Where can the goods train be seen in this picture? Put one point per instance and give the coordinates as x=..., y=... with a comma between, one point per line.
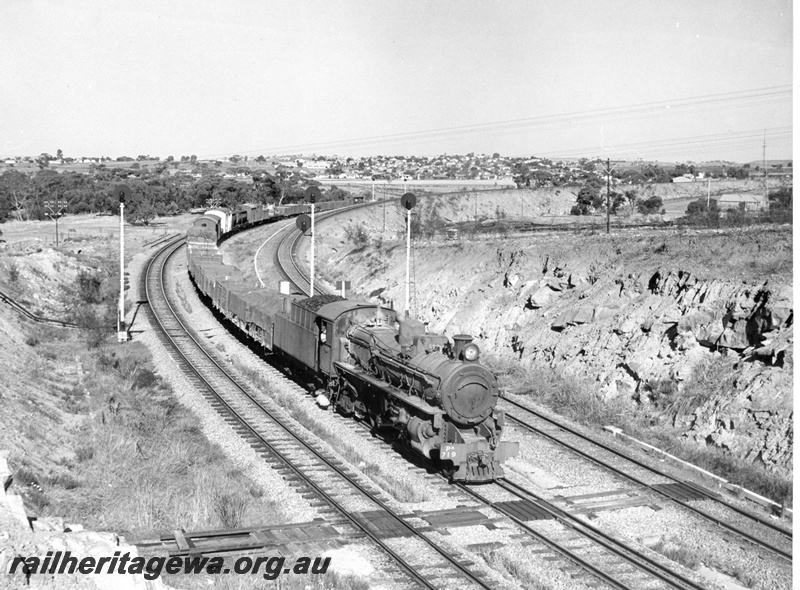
x=215, y=224
x=431, y=393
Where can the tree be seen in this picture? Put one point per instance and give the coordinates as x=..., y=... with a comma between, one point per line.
x=781, y=198
x=651, y=205
x=15, y=190
x=59, y=155
x=142, y=212
x=617, y=201
x=586, y=199
x=631, y=196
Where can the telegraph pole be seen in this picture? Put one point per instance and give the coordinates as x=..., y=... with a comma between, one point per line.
x=122, y=191
x=608, y=170
x=56, y=211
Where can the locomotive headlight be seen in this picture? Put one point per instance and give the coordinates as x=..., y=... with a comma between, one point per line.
x=471, y=352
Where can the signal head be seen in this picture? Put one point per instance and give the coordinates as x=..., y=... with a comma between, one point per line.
x=313, y=193
x=303, y=222
x=408, y=200
x=123, y=191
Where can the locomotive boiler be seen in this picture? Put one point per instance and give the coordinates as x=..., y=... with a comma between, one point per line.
x=434, y=393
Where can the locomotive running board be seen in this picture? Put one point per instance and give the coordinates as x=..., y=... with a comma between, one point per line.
x=391, y=389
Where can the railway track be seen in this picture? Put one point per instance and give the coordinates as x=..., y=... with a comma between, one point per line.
x=323, y=477
x=675, y=491
x=592, y=550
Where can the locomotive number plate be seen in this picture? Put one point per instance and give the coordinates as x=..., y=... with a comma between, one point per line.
x=447, y=452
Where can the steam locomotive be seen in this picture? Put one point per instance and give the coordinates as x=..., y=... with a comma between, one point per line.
x=365, y=361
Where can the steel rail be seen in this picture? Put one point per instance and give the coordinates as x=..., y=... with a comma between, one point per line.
x=574, y=558
x=187, y=337
x=719, y=522
x=615, y=546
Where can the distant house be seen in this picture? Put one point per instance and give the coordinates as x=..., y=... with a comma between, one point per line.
x=748, y=202
x=684, y=178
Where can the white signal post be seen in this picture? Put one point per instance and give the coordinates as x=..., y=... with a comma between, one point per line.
x=408, y=260
x=408, y=201
x=122, y=333
x=311, y=292
x=313, y=193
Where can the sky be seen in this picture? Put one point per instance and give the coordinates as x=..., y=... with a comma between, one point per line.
x=674, y=80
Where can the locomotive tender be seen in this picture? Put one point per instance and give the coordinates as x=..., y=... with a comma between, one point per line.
x=364, y=359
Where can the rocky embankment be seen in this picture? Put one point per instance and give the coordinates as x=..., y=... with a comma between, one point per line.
x=23, y=536
x=632, y=332
x=646, y=317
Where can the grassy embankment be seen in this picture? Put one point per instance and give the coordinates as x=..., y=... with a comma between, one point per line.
x=97, y=437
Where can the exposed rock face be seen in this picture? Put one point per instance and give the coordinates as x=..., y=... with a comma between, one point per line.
x=631, y=329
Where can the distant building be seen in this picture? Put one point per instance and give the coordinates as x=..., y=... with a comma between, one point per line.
x=748, y=202
x=684, y=178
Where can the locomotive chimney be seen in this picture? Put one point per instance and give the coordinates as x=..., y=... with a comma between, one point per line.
x=459, y=342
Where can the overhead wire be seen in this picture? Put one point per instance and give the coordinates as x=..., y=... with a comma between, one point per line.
x=776, y=135
x=627, y=113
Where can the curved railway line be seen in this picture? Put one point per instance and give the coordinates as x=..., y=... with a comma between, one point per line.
x=322, y=475
x=608, y=560
x=672, y=494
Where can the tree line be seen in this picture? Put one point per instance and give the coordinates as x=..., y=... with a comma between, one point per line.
x=590, y=200
x=528, y=176
x=153, y=192
x=706, y=212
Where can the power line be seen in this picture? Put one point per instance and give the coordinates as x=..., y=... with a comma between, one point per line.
x=631, y=112
x=666, y=146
